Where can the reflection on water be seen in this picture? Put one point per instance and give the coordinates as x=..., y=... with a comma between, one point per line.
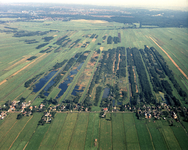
x=106, y=92
x=63, y=86
x=74, y=92
x=43, y=81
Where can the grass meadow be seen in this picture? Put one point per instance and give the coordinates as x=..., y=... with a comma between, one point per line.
x=89, y=131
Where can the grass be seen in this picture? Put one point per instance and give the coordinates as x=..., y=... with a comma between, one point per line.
x=118, y=134
x=52, y=135
x=79, y=130
x=92, y=131
x=66, y=132
x=105, y=134
x=130, y=132
x=27, y=132
x=180, y=135
x=143, y=135
x=37, y=137
x=89, y=135
x=79, y=134
x=168, y=134
x=7, y=124
x=13, y=133
x=157, y=137
x=124, y=131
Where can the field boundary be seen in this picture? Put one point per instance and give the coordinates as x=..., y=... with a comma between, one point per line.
x=150, y=136
x=60, y=132
x=20, y=132
x=73, y=131
x=9, y=130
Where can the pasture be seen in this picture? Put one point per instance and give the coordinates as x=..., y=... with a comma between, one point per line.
x=89, y=131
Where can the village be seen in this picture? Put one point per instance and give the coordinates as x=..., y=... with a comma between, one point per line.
x=155, y=112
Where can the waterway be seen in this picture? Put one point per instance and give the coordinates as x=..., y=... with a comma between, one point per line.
x=43, y=81
x=63, y=86
x=106, y=92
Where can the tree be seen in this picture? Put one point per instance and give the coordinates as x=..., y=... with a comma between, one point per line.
x=19, y=116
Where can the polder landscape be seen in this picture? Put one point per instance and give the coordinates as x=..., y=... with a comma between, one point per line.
x=93, y=78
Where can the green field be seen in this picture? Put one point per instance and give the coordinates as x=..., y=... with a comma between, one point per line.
x=14, y=51
x=79, y=131
x=72, y=128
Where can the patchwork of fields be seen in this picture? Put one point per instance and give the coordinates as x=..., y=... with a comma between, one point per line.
x=87, y=131
x=25, y=55
x=87, y=66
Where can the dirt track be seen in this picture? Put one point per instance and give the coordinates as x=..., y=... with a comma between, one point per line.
x=170, y=59
x=19, y=133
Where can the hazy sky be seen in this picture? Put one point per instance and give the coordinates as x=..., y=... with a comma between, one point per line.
x=153, y=3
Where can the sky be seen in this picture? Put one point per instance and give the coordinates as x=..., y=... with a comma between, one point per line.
x=137, y=3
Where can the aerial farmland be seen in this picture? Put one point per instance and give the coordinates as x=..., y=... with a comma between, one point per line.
x=92, y=84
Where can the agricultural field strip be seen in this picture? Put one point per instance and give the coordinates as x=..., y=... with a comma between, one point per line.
x=3, y=125
x=7, y=140
x=17, y=86
x=164, y=135
x=150, y=136
x=26, y=80
x=118, y=137
x=52, y=134
x=67, y=130
x=20, y=132
x=60, y=132
x=77, y=141
x=170, y=59
x=23, y=138
x=132, y=124
x=37, y=137
x=90, y=131
x=22, y=68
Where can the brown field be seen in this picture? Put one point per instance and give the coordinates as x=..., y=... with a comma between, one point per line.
x=86, y=54
x=78, y=45
x=118, y=62
x=91, y=64
x=135, y=80
x=101, y=48
x=94, y=39
x=18, y=62
x=72, y=76
x=27, y=65
x=3, y=82
x=170, y=58
x=114, y=66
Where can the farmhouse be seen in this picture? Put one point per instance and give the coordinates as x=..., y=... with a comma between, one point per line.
x=3, y=115
x=105, y=109
x=41, y=106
